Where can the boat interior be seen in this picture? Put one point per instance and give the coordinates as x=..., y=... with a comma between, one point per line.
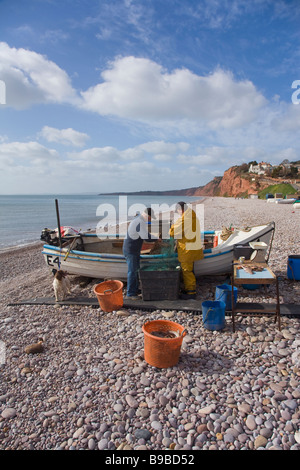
x=103, y=243
x=100, y=243
x=115, y=245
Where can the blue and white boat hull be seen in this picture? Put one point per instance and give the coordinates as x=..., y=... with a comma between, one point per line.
x=108, y=265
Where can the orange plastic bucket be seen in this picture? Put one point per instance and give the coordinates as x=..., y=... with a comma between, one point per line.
x=109, y=295
x=162, y=342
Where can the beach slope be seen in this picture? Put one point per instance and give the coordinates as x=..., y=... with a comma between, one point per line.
x=90, y=388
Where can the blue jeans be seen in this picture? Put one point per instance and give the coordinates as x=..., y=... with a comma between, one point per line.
x=133, y=265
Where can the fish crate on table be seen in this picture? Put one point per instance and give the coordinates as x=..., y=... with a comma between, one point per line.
x=250, y=274
x=160, y=284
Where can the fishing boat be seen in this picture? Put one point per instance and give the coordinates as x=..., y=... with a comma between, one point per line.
x=296, y=204
x=286, y=201
x=100, y=256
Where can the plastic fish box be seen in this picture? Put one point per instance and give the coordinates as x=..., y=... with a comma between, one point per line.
x=242, y=250
x=160, y=285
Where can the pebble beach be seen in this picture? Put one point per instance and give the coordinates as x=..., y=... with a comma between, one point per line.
x=91, y=388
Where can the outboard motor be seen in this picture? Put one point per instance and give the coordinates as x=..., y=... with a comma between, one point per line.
x=49, y=236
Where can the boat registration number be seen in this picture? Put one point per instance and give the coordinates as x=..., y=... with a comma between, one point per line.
x=51, y=261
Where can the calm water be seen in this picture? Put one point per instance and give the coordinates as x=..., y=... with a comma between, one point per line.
x=22, y=218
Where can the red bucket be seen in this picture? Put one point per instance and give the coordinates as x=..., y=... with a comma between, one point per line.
x=109, y=295
x=162, y=342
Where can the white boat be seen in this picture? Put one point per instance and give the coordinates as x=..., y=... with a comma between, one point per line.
x=87, y=254
x=285, y=201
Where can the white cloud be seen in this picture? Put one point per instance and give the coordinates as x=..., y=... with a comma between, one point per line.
x=102, y=157
x=3, y=138
x=97, y=155
x=64, y=136
x=140, y=89
x=160, y=150
x=214, y=156
x=161, y=147
x=290, y=154
x=222, y=158
x=15, y=156
x=31, y=78
x=200, y=159
x=288, y=120
x=109, y=169
x=162, y=157
x=223, y=14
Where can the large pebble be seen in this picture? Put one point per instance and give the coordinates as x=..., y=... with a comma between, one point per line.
x=8, y=413
x=131, y=401
x=251, y=423
x=143, y=434
x=207, y=410
x=103, y=444
x=156, y=425
x=260, y=441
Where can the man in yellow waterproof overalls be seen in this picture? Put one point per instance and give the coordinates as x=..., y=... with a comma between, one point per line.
x=187, y=234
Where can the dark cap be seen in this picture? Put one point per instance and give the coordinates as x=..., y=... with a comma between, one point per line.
x=182, y=205
x=150, y=213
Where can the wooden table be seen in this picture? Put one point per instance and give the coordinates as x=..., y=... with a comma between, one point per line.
x=262, y=276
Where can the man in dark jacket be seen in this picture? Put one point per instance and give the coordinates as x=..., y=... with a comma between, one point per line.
x=137, y=233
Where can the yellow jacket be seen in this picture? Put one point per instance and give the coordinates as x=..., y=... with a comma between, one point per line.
x=186, y=232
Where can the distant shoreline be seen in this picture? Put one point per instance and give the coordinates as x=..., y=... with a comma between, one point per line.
x=175, y=192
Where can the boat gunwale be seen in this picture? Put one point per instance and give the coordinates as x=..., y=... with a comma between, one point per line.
x=106, y=257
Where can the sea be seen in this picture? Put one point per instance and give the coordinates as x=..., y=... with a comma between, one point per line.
x=23, y=217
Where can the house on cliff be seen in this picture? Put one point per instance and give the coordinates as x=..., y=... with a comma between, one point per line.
x=262, y=168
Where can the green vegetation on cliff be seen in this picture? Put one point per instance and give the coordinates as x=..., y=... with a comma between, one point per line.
x=282, y=188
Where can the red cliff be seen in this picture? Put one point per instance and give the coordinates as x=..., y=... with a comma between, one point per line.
x=234, y=183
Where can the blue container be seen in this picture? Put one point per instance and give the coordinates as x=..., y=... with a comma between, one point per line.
x=213, y=314
x=293, y=269
x=224, y=293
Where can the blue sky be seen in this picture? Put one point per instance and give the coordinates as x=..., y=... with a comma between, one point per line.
x=126, y=95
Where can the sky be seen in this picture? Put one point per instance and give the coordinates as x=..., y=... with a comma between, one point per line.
x=100, y=96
